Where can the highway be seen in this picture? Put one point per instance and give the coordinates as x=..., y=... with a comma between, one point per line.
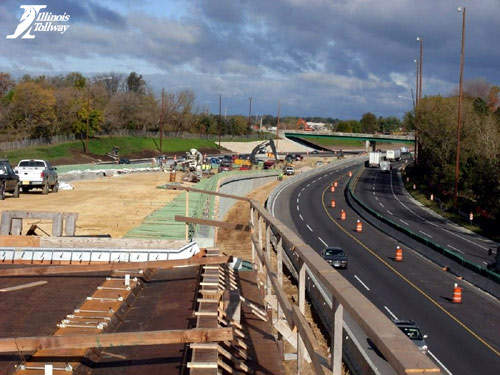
x=463, y=338
x=385, y=193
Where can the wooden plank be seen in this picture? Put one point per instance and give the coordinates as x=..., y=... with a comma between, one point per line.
x=213, y=223
x=105, y=340
x=70, y=269
x=19, y=241
x=223, y=195
x=23, y=286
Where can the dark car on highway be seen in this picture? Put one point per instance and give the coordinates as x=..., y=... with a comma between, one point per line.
x=9, y=180
x=335, y=256
x=410, y=329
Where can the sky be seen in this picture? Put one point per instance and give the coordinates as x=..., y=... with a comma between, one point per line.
x=331, y=58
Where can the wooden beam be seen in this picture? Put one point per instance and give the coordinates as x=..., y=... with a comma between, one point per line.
x=106, y=340
x=19, y=241
x=74, y=268
x=223, y=195
x=213, y=223
x=23, y=286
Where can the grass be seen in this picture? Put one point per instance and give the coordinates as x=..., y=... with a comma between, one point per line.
x=324, y=141
x=101, y=146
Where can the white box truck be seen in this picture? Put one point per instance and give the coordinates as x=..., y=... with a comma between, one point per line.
x=393, y=155
x=374, y=159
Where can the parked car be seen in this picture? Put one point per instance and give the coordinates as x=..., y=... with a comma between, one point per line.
x=335, y=256
x=9, y=181
x=225, y=166
x=289, y=171
x=35, y=174
x=410, y=329
x=268, y=164
x=244, y=167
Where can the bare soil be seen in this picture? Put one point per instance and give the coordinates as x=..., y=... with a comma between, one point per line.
x=110, y=205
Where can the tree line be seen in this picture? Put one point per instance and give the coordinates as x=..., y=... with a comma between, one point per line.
x=42, y=106
x=435, y=119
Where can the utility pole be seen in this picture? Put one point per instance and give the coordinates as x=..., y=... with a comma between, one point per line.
x=460, y=98
x=416, y=83
x=278, y=125
x=220, y=116
x=162, y=118
x=249, y=112
x=88, y=117
x=420, y=87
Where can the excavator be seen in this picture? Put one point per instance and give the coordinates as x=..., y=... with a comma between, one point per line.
x=301, y=124
x=261, y=148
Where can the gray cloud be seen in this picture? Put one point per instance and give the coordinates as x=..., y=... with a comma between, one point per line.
x=338, y=58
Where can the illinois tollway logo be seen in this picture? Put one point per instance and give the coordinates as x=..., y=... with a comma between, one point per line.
x=33, y=20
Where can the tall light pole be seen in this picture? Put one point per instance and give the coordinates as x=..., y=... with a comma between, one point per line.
x=460, y=98
x=220, y=117
x=249, y=112
x=420, y=64
x=415, y=108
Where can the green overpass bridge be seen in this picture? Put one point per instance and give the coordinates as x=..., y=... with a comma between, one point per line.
x=309, y=138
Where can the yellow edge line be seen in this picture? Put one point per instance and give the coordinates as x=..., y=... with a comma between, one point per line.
x=470, y=331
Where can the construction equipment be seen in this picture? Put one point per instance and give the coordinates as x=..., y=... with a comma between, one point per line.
x=193, y=164
x=261, y=149
x=301, y=124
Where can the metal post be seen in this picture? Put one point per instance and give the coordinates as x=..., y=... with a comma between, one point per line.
x=302, y=305
x=259, y=224
x=187, y=214
x=460, y=98
x=279, y=271
x=252, y=226
x=268, y=258
x=417, y=90
x=336, y=351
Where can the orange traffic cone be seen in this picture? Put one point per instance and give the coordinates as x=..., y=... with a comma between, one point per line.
x=350, y=174
x=333, y=203
x=399, y=254
x=335, y=184
x=457, y=294
x=342, y=215
x=332, y=189
x=359, y=226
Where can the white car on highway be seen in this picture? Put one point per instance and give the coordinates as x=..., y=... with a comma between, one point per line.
x=37, y=174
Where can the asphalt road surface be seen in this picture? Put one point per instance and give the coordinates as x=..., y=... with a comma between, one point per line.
x=463, y=338
x=384, y=193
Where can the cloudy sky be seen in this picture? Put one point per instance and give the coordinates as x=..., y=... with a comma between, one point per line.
x=337, y=58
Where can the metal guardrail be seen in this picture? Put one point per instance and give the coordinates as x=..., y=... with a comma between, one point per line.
x=403, y=356
x=435, y=246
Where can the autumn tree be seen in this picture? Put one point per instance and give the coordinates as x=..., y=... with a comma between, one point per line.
x=32, y=111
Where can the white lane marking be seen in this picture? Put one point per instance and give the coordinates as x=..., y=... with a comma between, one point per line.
x=361, y=282
x=391, y=313
x=298, y=208
x=376, y=198
x=381, y=205
x=308, y=227
x=297, y=200
x=301, y=218
x=301, y=190
x=485, y=262
x=454, y=248
x=431, y=223
x=425, y=234
x=298, y=195
x=404, y=222
x=439, y=362
x=373, y=193
x=389, y=212
x=324, y=243
x=373, y=187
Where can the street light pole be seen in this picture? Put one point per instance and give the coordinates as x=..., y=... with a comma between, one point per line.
x=88, y=115
x=417, y=90
x=420, y=87
x=460, y=98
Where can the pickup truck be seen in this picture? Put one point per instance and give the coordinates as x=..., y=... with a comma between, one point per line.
x=9, y=182
x=37, y=174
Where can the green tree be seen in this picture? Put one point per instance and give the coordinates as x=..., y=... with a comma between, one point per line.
x=136, y=83
x=369, y=123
